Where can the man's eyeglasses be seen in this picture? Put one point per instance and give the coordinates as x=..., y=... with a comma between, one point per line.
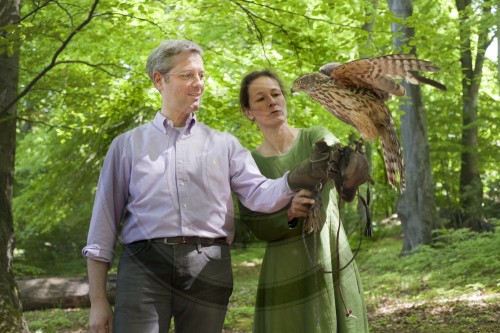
x=190, y=76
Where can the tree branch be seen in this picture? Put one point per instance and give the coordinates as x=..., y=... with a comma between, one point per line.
x=98, y=66
x=301, y=15
x=251, y=15
x=260, y=37
x=47, y=124
x=37, y=8
x=134, y=18
x=53, y=62
x=483, y=42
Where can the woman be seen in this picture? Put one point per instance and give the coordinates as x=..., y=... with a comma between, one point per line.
x=298, y=285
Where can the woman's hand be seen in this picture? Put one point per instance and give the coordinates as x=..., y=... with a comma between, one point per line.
x=300, y=205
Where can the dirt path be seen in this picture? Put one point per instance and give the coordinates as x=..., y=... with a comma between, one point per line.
x=480, y=314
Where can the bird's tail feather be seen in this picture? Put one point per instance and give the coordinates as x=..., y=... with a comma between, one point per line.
x=428, y=81
x=393, y=156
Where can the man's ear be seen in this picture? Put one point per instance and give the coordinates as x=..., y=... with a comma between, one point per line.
x=158, y=80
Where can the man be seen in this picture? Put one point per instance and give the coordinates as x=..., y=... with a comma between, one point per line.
x=169, y=183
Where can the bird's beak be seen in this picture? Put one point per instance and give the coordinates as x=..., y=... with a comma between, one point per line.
x=292, y=91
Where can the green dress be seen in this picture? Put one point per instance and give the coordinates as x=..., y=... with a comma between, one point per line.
x=298, y=289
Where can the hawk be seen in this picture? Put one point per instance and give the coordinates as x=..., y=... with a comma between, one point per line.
x=355, y=92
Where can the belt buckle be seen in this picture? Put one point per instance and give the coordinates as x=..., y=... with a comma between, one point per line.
x=166, y=241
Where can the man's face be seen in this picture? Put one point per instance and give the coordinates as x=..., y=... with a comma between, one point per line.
x=183, y=86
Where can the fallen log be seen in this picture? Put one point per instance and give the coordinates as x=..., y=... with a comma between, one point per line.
x=59, y=292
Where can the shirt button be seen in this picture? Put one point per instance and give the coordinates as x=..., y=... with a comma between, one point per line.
x=180, y=162
x=181, y=184
x=184, y=205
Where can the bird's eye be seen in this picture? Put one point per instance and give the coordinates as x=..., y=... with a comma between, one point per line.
x=299, y=82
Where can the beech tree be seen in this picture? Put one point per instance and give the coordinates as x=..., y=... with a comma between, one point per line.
x=471, y=186
x=416, y=205
x=11, y=317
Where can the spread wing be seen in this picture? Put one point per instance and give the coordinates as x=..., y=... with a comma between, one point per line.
x=379, y=74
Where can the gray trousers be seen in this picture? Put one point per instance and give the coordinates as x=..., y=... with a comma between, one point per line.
x=187, y=282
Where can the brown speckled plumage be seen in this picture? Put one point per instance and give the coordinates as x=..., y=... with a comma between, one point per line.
x=355, y=93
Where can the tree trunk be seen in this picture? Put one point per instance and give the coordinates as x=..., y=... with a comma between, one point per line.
x=368, y=26
x=471, y=186
x=60, y=292
x=11, y=315
x=497, y=35
x=416, y=206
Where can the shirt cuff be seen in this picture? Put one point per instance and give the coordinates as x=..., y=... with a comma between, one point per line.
x=95, y=252
x=287, y=186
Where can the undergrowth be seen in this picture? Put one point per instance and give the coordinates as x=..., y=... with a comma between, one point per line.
x=421, y=289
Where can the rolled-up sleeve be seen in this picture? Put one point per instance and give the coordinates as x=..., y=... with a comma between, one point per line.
x=255, y=191
x=109, y=203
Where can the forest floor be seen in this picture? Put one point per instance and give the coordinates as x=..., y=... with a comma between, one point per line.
x=452, y=286
x=476, y=313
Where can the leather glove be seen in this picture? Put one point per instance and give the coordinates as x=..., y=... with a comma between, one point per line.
x=308, y=173
x=348, y=169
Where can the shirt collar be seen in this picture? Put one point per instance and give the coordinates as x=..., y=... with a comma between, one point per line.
x=162, y=123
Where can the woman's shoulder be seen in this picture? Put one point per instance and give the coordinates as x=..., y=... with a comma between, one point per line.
x=316, y=133
x=315, y=129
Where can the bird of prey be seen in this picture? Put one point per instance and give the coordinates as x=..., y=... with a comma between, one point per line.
x=355, y=92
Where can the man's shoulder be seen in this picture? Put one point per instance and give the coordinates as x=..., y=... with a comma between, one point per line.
x=131, y=133
x=213, y=132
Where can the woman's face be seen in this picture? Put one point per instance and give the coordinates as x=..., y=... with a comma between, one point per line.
x=267, y=102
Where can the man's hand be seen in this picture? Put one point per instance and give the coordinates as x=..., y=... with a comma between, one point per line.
x=101, y=314
x=101, y=317
x=300, y=205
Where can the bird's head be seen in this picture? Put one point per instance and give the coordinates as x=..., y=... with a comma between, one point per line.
x=307, y=82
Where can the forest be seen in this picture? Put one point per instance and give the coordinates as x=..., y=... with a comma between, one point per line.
x=72, y=77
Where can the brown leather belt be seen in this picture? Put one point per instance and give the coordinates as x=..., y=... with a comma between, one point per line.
x=189, y=240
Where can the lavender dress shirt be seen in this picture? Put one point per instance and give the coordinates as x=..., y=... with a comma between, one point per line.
x=164, y=181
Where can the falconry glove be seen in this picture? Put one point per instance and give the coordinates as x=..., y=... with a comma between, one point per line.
x=308, y=173
x=348, y=169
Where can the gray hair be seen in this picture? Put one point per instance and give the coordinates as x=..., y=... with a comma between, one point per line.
x=160, y=59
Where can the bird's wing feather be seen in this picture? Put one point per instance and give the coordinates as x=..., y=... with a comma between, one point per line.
x=378, y=74
x=360, y=73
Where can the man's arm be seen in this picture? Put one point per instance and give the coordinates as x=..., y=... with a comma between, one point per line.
x=101, y=315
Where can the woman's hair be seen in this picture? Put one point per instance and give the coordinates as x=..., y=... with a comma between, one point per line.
x=248, y=79
x=160, y=59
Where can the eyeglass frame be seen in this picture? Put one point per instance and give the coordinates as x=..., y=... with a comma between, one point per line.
x=188, y=75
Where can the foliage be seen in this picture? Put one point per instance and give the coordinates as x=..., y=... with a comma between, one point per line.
x=98, y=88
x=457, y=262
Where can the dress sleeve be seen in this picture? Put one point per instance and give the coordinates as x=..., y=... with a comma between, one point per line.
x=268, y=227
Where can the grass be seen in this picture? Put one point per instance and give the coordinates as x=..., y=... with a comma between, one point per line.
x=58, y=320
x=451, y=286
